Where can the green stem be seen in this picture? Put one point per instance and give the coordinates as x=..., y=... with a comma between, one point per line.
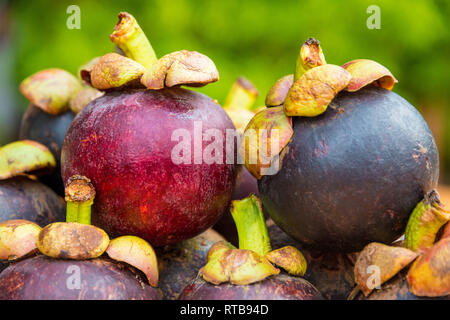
x=79, y=198
x=251, y=225
x=299, y=69
x=72, y=211
x=242, y=95
x=310, y=56
x=131, y=39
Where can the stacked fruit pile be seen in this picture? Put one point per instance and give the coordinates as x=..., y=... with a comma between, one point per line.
x=343, y=166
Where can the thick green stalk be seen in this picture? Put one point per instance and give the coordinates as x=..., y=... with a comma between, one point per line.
x=310, y=56
x=251, y=225
x=79, y=198
x=131, y=39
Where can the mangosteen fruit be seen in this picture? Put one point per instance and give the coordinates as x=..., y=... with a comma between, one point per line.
x=71, y=262
x=179, y=263
x=414, y=269
x=152, y=149
x=21, y=195
x=44, y=278
x=249, y=272
x=354, y=163
x=330, y=272
x=238, y=105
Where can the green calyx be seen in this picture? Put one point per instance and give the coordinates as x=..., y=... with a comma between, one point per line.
x=254, y=259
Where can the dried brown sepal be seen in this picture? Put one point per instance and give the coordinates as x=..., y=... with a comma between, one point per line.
x=278, y=92
x=83, y=97
x=71, y=240
x=84, y=72
x=380, y=257
x=137, y=253
x=365, y=72
x=237, y=266
x=25, y=156
x=116, y=71
x=310, y=95
x=17, y=238
x=183, y=67
x=79, y=189
x=265, y=137
x=50, y=89
x=290, y=259
x=430, y=275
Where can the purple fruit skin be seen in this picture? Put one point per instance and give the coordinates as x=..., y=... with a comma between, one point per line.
x=23, y=198
x=280, y=287
x=122, y=142
x=43, y=278
x=354, y=174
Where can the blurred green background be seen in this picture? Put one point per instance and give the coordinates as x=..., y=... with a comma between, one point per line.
x=256, y=39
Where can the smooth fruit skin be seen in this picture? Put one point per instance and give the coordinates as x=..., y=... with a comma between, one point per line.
x=179, y=263
x=43, y=278
x=49, y=130
x=353, y=175
x=123, y=143
x=331, y=273
x=23, y=198
x=280, y=287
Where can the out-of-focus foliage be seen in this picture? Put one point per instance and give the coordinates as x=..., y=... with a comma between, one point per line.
x=254, y=38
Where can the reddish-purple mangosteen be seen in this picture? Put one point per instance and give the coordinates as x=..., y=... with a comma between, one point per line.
x=156, y=154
